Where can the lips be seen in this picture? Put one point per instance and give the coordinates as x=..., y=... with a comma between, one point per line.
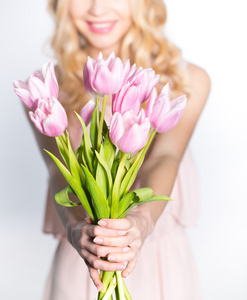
x=101, y=27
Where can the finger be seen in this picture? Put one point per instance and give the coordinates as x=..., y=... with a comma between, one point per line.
x=103, y=251
x=89, y=221
x=98, y=263
x=94, y=274
x=122, y=257
x=120, y=224
x=122, y=241
x=129, y=268
x=97, y=230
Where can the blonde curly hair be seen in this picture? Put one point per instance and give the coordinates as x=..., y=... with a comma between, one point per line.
x=144, y=44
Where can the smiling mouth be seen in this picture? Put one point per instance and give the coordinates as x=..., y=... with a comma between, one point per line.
x=101, y=27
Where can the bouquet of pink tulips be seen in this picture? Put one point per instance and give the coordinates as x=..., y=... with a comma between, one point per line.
x=102, y=170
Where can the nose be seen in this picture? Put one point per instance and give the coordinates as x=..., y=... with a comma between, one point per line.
x=98, y=7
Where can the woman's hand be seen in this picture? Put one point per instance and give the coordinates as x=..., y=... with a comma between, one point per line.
x=86, y=239
x=133, y=229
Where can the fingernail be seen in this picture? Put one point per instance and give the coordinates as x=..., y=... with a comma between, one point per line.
x=98, y=240
x=121, y=232
x=102, y=223
x=111, y=258
x=98, y=288
x=120, y=267
x=125, y=275
x=126, y=249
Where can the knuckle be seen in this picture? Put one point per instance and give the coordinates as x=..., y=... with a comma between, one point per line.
x=81, y=243
x=84, y=230
x=99, y=251
x=96, y=264
x=83, y=253
x=96, y=230
x=133, y=255
x=127, y=240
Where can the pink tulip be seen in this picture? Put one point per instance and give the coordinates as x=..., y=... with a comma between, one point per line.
x=146, y=80
x=50, y=117
x=127, y=98
x=104, y=77
x=128, y=131
x=39, y=85
x=87, y=111
x=163, y=113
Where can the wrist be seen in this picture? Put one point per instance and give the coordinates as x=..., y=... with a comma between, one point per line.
x=144, y=220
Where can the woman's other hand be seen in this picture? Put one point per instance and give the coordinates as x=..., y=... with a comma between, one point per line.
x=91, y=242
x=132, y=232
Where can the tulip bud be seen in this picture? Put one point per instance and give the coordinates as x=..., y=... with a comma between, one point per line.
x=163, y=113
x=127, y=98
x=87, y=111
x=147, y=81
x=39, y=85
x=50, y=117
x=102, y=77
x=128, y=131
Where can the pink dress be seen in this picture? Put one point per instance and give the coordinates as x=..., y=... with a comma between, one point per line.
x=165, y=269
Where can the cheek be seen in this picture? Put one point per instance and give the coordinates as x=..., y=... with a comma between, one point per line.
x=77, y=8
x=124, y=8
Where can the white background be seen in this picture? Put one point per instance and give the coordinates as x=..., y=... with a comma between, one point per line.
x=211, y=34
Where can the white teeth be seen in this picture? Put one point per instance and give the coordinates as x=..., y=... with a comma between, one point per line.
x=101, y=25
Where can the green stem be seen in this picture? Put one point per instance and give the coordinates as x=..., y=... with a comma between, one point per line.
x=116, y=187
x=149, y=142
x=101, y=122
x=107, y=276
x=110, y=289
x=126, y=292
x=120, y=285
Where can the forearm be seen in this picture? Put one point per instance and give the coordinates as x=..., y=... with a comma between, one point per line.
x=160, y=176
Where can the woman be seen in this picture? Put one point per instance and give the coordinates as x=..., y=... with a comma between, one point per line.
x=162, y=267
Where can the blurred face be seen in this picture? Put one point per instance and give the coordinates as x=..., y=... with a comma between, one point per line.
x=103, y=23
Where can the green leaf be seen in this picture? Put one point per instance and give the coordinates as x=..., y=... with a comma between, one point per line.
x=153, y=198
x=101, y=175
x=125, y=202
x=106, y=169
x=143, y=193
x=73, y=163
x=89, y=155
x=62, y=149
x=109, y=151
x=130, y=176
x=116, y=187
x=135, y=196
x=62, y=197
x=101, y=207
x=94, y=129
x=75, y=185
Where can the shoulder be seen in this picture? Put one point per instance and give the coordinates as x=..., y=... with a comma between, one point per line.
x=199, y=81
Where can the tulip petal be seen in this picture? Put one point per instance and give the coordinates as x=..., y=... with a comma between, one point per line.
x=110, y=58
x=116, y=127
x=87, y=111
x=150, y=104
x=170, y=119
x=26, y=98
x=52, y=126
x=131, y=100
x=135, y=138
x=51, y=81
x=103, y=80
x=37, y=88
x=39, y=75
x=36, y=120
